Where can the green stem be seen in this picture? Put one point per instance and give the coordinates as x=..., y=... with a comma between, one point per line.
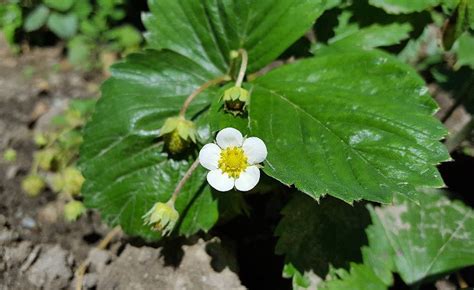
x=199, y=90
x=243, y=67
x=183, y=180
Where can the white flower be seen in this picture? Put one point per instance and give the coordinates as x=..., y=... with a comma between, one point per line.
x=233, y=161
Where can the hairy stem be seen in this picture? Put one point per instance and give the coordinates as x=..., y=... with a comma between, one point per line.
x=199, y=90
x=243, y=67
x=183, y=180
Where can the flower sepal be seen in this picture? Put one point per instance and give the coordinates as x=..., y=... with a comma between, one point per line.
x=178, y=134
x=162, y=217
x=236, y=100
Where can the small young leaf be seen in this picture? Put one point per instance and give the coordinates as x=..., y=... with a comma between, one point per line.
x=60, y=5
x=354, y=124
x=36, y=18
x=465, y=53
x=63, y=25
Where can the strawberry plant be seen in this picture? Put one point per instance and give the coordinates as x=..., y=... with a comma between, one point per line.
x=187, y=128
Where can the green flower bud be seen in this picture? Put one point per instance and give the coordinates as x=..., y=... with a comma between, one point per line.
x=73, y=210
x=74, y=118
x=45, y=158
x=236, y=100
x=162, y=217
x=72, y=181
x=40, y=139
x=178, y=134
x=33, y=185
x=9, y=155
x=57, y=182
x=234, y=54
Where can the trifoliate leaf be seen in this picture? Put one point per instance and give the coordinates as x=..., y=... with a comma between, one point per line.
x=206, y=31
x=404, y=6
x=123, y=161
x=352, y=124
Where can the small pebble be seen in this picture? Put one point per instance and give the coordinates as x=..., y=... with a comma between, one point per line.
x=28, y=223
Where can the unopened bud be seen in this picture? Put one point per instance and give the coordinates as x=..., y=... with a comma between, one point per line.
x=73, y=210
x=73, y=181
x=33, y=185
x=178, y=134
x=162, y=217
x=9, y=155
x=236, y=100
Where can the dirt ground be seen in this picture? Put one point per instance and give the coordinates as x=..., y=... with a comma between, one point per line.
x=38, y=248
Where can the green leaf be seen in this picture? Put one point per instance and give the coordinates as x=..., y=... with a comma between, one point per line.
x=379, y=255
x=60, y=5
x=416, y=241
x=36, y=18
x=424, y=49
x=352, y=124
x=10, y=20
x=123, y=161
x=360, y=277
x=80, y=52
x=434, y=237
x=312, y=236
x=465, y=53
x=404, y=6
x=374, y=36
x=460, y=21
x=63, y=25
x=197, y=206
x=125, y=36
x=207, y=30
x=306, y=280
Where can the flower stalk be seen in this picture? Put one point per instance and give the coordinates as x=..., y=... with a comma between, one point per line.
x=243, y=67
x=183, y=180
x=199, y=90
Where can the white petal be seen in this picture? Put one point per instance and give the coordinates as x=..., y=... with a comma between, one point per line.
x=209, y=156
x=220, y=181
x=229, y=137
x=248, y=179
x=255, y=150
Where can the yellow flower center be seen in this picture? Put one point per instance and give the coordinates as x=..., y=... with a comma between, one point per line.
x=233, y=161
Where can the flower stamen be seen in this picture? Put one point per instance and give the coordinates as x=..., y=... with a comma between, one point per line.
x=233, y=161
